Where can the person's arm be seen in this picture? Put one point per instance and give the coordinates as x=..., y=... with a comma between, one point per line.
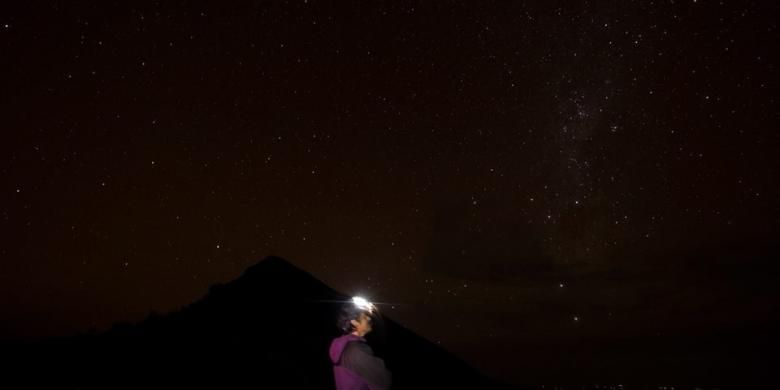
x=359, y=358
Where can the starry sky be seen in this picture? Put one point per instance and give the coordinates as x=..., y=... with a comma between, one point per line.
x=522, y=182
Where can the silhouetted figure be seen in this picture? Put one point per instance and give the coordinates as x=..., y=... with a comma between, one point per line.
x=354, y=365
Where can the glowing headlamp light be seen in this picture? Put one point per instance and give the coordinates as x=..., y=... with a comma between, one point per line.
x=363, y=304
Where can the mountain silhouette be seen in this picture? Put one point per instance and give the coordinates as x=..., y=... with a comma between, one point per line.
x=269, y=328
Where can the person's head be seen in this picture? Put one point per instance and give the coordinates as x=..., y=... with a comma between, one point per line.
x=362, y=325
x=355, y=320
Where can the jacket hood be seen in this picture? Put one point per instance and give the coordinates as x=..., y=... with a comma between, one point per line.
x=338, y=345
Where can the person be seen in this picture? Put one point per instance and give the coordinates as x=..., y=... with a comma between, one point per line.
x=354, y=365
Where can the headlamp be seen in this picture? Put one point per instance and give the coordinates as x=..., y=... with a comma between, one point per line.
x=363, y=304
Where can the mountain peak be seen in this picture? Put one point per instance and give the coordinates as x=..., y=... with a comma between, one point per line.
x=275, y=275
x=273, y=264
x=274, y=269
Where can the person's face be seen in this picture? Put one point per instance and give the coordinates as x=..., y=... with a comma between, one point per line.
x=362, y=324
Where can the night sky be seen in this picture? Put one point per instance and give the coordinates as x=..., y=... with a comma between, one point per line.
x=518, y=179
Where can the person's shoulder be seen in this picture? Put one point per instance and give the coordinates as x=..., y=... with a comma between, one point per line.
x=357, y=346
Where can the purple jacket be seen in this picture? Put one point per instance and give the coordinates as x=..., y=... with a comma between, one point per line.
x=355, y=367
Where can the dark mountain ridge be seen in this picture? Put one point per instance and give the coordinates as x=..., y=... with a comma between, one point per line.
x=269, y=328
